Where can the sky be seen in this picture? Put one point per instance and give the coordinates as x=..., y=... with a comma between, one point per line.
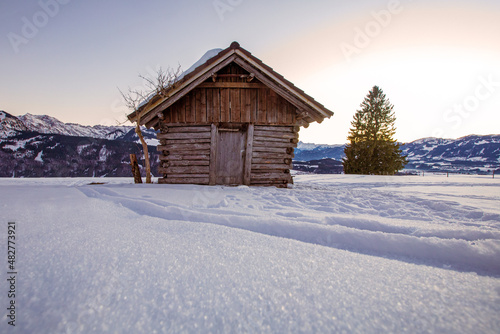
x=438, y=62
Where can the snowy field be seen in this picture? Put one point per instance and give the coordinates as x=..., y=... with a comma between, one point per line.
x=335, y=254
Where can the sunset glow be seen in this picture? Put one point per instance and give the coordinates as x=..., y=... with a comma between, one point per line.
x=437, y=61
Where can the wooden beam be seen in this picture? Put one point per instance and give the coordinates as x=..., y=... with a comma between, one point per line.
x=184, y=170
x=179, y=163
x=264, y=143
x=270, y=176
x=272, y=160
x=180, y=135
x=271, y=140
x=273, y=150
x=261, y=135
x=271, y=166
x=248, y=156
x=266, y=155
x=187, y=147
x=153, y=123
x=235, y=104
x=278, y=128
x=189, y=156
x=302, y=122
x=263, y=171
x=226, y=84
x=183, y=180
x=184, y=141
x=186, y=175
x=269, y=182
x=212, y=175
x=176, y=129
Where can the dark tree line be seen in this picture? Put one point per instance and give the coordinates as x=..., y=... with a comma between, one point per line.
x=68, y=156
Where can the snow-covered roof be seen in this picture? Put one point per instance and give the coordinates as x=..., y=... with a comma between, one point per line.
x=208, y=55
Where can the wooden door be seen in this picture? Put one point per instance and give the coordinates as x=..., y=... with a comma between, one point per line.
x=231, y=145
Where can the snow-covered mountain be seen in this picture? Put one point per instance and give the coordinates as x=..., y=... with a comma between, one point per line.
x=10, y=125
x=41, y=145
x=48, y=124
x=31, y=154
x=476, y=154
x=469, y=148
x=470, y=154
x=310, y=151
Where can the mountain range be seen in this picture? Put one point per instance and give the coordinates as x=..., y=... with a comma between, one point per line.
x=41, y=145
x=470, y=154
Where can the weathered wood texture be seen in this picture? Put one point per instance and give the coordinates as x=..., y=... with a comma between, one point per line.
x=135, y=169
x=272, y=155
x=208, y=105
x=183, y=180
x=185, y=154
x=253, y=155
x=230, y=157
x=232, y=99
x=247, y=169
x=212, y=176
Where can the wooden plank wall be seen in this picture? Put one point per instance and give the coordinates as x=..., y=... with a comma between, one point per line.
x=272, y=154
x=246, y=105
x=185, y=154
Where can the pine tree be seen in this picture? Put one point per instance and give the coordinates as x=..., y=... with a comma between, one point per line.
x=372, y=148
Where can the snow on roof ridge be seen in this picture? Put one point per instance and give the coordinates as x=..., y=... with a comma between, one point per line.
x=208, y=55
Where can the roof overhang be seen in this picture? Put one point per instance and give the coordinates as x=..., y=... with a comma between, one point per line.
x=310, y=109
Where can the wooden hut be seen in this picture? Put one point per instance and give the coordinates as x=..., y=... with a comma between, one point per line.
x=232, y=121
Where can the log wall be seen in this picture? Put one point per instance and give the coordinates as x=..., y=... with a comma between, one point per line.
x=185, y=154
x=188, y=154
x=272, y=154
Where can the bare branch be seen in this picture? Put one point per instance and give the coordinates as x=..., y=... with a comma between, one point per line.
x=134, y=99
x=163, y=81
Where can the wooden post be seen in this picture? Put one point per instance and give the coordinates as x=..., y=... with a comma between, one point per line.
x=213, y=155
x=135, y=169
x=247, y=169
